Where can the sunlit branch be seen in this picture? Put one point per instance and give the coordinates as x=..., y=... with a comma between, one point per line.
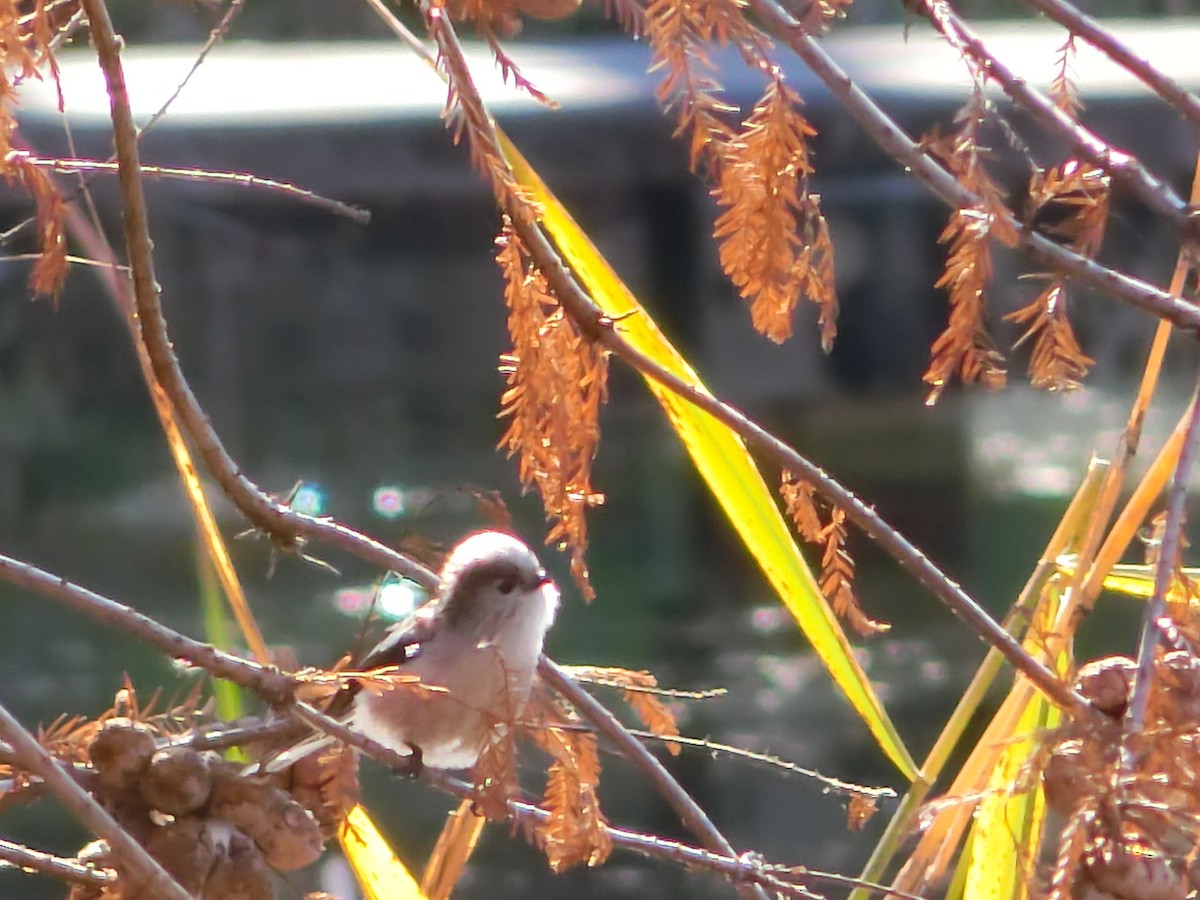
x=1165, y=569
x=1123, y=167
x=1184, y=102
x=239, y=179
x=892, y=139
x=69, y=870
x=269, y=683
x=288, y=527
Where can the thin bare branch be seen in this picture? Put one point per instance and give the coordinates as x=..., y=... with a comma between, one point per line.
x=835, y=785
x=214, y=37
x=1123, y=167
x=288, y=527
x=1069, y=17
x=892, y=139
x=1164, y=571
x=690, y=813
x=68, y=870
x=141, y=869
x=269, y=683
x=239, y=179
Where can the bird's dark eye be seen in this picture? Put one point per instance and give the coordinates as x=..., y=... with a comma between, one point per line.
x=506, y=585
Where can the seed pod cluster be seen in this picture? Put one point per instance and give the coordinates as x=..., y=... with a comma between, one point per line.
x=1128, y=794
x=219, y=833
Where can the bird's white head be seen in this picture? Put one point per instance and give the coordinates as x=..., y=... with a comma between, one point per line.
x=492, y=582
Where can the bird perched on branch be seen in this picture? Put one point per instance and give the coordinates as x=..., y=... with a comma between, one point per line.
x=476, y=643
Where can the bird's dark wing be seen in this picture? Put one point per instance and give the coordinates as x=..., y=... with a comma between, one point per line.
x=401, y=644
x=403, y=640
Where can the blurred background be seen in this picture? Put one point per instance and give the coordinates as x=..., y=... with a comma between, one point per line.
x=360, y=361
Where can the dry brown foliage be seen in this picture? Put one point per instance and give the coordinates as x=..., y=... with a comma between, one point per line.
x=26, y=49
x=556, y=384
x=1070, y=204
x=774, y=241
x=576, y=832
x=828, y=532
x=678, y=32
x=466, y=115
x=640, y=690
x=1057, y=362
x=1062, y=88
x=860, y=811
x=495, y=775
x=965, y=348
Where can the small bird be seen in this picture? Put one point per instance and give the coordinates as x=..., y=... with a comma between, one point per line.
x=478, y=639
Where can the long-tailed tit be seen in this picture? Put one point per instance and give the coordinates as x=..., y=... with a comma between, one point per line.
x=478, y=640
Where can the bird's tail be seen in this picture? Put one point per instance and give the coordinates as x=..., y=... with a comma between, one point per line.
x=292, y=755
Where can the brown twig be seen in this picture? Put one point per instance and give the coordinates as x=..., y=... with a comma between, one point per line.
x=1184, y=102
x=269, y=683
x=68, y=870
x=747, y=870
x=141, y=870
x=892, y=139
x=829, y=784
x=288, y=527
x=214, y=37
x=690, y=813
x=398, y=763
x=1123, y=167
x=239, y=179
x=1164, y=571
x=744, y=869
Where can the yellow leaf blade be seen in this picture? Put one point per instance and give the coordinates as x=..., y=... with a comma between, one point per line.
x=722, y=459
x=1008, y=824
x=454, y=847
x=380, y=874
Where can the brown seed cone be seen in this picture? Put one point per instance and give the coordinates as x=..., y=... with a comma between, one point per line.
x=129, y=809
x=240, y=872
x=177, y=781
x=121, y=750
x=326, y=784
x=285, y=831
x=184, y=850
x=1131, y=870
x=1107, y=683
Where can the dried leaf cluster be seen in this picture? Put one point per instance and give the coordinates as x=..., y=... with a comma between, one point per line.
x=824, y=526
x=26, y=48
x=1069, y=204
x=1062, y=88
x=576, y=832
x=556, y=385
x=965, y=348
x=640, y=690
x=1130, y=797
x=774, y=241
